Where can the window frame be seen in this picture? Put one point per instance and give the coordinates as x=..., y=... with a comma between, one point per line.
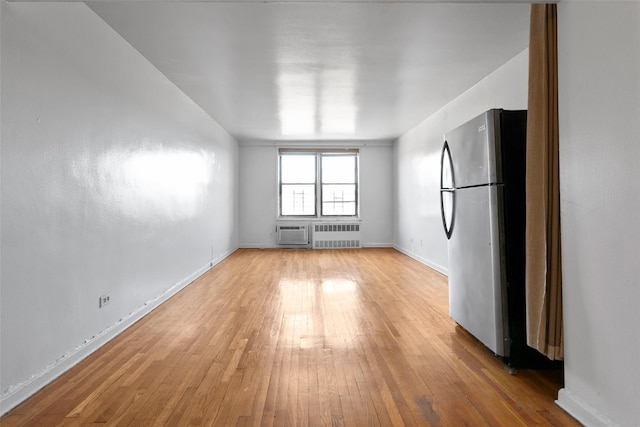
x=318, y=187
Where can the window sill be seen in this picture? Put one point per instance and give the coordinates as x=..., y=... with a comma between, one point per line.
x=319, y=218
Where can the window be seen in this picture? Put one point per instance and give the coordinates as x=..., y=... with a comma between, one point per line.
x=318, y=183
x=338, y=177
x=298, y=184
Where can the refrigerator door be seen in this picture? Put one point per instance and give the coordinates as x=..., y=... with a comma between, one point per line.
x=475, y=267
x=473, y=150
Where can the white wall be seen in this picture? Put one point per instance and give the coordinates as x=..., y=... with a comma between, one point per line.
x=418, y=225
x=376, y=194
x=599, y=83
x=258, y=204
x=258, y=198
x=113, y=181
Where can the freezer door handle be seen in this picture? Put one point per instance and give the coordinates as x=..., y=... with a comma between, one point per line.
x=447, y=190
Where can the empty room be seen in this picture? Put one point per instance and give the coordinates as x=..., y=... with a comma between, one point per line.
x=319, y=212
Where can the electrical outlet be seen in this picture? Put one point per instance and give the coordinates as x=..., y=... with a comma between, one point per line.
x=104, y=300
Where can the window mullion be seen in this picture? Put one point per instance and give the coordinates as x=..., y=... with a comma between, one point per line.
x=319, y=212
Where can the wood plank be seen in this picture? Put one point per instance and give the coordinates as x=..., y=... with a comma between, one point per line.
x=300, y=338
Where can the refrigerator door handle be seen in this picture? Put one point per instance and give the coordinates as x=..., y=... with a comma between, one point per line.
x=447, y=190
x=448, y=210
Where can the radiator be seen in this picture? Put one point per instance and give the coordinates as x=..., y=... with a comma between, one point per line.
x=335, y=235
x=292, y=234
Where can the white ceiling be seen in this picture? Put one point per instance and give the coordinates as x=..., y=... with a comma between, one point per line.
x=321, y=70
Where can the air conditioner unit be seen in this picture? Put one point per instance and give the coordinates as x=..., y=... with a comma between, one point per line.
x=292, y=234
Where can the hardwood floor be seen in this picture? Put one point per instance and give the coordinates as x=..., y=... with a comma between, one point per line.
x=299, y=337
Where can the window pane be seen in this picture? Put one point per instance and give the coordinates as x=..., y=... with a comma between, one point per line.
x=346, y=209
x=339, y=199
x=298, y=199
x=298, y=169
x=339, y=169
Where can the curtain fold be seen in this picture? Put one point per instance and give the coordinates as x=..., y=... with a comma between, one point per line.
x=543, y=258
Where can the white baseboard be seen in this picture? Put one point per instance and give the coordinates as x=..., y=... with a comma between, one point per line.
x=377, y=245
x=256, y=246
x=274, y=246
x=582, y=411
x=18, y=393
x=422, y=260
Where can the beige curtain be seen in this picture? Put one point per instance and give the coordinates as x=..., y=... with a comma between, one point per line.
x=543, y=264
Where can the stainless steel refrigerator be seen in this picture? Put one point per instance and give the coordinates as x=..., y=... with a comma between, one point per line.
x=483, y=214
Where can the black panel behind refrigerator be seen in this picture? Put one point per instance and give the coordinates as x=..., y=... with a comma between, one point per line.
x=514, y=128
